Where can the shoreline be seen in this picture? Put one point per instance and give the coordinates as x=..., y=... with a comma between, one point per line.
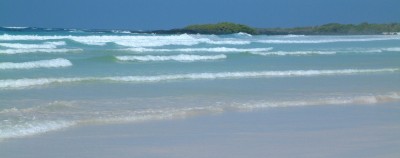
x=316, y=131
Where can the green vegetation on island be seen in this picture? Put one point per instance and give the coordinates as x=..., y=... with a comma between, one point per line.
x=221, y=28
x=218, y=29
x=336, y=29
x=327, y=29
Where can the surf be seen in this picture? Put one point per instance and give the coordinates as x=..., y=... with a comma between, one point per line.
x=180, y=58
x=25, y=83
x=43, y=119
x=52, y=63
x=215, y=49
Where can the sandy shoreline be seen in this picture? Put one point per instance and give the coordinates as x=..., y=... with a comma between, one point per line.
x=318, y=131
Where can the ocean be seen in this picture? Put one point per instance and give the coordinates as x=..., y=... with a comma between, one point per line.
x=56, y=79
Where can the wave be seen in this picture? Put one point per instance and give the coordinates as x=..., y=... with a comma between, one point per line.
x=345, y=51
x=284, y=53
x=32, y=128
x=133, y=40
x=120, y=31
x=216, y=49
x=23, y=83
x=15, y=27
x=53, y=63
x=180, y=57
x=365, y=99
x=151, y=40
x=393, y=49
x=370, y=50
x=293, y=36
x=39, y=120
x=46, y=45
x=314, y=41
x=243, y=34
x=21, y=51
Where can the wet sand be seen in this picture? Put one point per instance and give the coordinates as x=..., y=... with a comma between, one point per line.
x=315, y=131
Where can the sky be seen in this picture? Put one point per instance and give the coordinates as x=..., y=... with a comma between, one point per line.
x=168, y=14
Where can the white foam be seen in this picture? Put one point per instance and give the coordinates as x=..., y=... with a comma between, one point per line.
x=46, y=45
x=368, y=50
x=216, y=49
x=363, y=51
x=243, y=34
x=327, y=40
x=7, y=37
x=39, y=120
x=120, y=31
x=33, y=127
x=27, y=126
x=133, y=40
x=180, y=57
x=20, y=83
x=366, y=99
x=21, y=51
x=225, y=42
x=15, y=27
x=23, y=83
x=284, y=53
x=293, y=36
x=154, y=114
x=393, y=49
x=53, y=63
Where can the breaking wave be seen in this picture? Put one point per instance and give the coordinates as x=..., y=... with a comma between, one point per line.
x=31, y=128
x=23, y=83
x=53, y=63
x=334, y=40
x=393, y=49
x=284, y=53
x=46, y=45
x=133, y=40
x=313, y=52
x=180, y=57
x=216, y=49
x=21, y=51
x=15, y=27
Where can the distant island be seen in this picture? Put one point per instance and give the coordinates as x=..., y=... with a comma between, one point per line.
x=218, y=29
x=327, y=29
x=232, y=28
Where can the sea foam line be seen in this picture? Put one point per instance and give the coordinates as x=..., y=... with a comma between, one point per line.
x=32, y=128
x=134, y=40
x=23, y=83
x=314, y=41
x=216, y=49
x=21, y=51
x=16, y=128
x=340, y=100
x=15, y=27
x=314, y=52
x=180, y=57
x=284, y=53
x=46, y=45
x=52, y=63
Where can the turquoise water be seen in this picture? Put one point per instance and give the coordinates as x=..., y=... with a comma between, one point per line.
x=52, y=79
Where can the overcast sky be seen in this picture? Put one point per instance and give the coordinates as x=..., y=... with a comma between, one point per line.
x=167, y=14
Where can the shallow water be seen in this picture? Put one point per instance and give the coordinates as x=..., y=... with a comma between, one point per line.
x=57, y=79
